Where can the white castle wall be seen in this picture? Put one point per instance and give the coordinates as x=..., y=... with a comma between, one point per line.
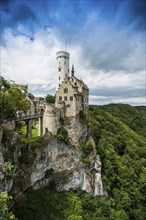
x=51, y=119
x=70, y=105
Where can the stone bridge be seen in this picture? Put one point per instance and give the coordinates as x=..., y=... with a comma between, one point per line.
x=28, y=119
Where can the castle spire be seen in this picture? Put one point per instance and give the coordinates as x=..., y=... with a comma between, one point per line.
x=72, y=71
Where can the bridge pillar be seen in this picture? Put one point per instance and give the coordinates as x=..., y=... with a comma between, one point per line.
x=29, y=129
x=41, y=125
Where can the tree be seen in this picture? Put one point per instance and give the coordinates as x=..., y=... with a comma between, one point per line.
x=31, y=96
x=13, y=98
x=4, y=199
x=50, y=98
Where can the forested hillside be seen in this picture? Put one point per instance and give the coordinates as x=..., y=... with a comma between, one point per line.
x=119, y=133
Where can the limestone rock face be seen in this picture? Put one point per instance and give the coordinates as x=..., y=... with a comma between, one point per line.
x=77, y=130
x=68, y=168
x=58, y=163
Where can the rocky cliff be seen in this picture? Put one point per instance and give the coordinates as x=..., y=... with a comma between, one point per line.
x=49, y=160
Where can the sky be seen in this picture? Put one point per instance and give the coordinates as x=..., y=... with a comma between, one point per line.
x=106, y=40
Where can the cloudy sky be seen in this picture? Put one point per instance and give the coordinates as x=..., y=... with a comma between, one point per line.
x=105, y=39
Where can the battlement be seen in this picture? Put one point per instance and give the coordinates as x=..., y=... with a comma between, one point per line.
x=63, y=54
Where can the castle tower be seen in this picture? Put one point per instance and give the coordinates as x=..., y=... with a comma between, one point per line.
x=62, y=67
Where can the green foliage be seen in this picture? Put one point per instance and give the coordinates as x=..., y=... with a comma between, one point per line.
x=6, y=135
x=4, y=199
x=12, y=98
x=134, y=117
x=65, y=206
x=123, y=154
x=62, y=135
x=31, y=96
x=87, y=149
x=50, y=98
x=23, y=131
x=8, y=167
x=27, y=154
x=8, y=146
x=82, y=115
x=58, y=206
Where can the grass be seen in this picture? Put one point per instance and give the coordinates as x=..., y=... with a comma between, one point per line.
x=23, y=131
x=34, y=131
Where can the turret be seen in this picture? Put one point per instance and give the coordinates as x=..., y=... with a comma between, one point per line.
x=62, y=67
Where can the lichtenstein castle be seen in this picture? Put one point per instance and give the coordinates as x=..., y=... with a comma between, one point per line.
x=72, y=95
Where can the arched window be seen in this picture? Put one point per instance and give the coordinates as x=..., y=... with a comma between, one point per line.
x=66, y=90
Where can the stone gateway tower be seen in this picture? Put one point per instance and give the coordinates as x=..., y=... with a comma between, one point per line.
x=72, y=95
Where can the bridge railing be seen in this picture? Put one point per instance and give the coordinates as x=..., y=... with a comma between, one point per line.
x=27, y=117
x=22, y=118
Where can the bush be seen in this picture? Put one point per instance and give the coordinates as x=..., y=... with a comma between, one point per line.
x=8, y=167
x=62, y=135
x=82, y=115
x=27, y=156
x=87, y=148
x=50, y=99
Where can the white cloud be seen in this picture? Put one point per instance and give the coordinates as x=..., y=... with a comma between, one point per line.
x=33, y=62
x=28, y=61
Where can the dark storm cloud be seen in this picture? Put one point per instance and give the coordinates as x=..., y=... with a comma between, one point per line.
x=16, y=12
x=138, y=11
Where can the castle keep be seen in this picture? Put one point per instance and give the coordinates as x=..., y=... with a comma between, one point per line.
x=72, y=95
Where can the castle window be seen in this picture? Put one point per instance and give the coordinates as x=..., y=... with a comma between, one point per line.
x=59, y=69
x=64, y=63
x=65, y=98
x=75, y=83
x=66, y=90
x=60, y=98
x=71, y=98
x=59, y=77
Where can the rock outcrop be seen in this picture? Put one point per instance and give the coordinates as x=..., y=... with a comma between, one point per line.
x=52, y=161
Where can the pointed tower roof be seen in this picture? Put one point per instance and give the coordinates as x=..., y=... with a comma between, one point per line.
x=72, y=70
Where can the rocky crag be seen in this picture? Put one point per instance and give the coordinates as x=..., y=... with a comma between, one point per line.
x=66, y=162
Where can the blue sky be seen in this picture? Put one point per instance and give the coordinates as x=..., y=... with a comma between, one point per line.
x=105, y=39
